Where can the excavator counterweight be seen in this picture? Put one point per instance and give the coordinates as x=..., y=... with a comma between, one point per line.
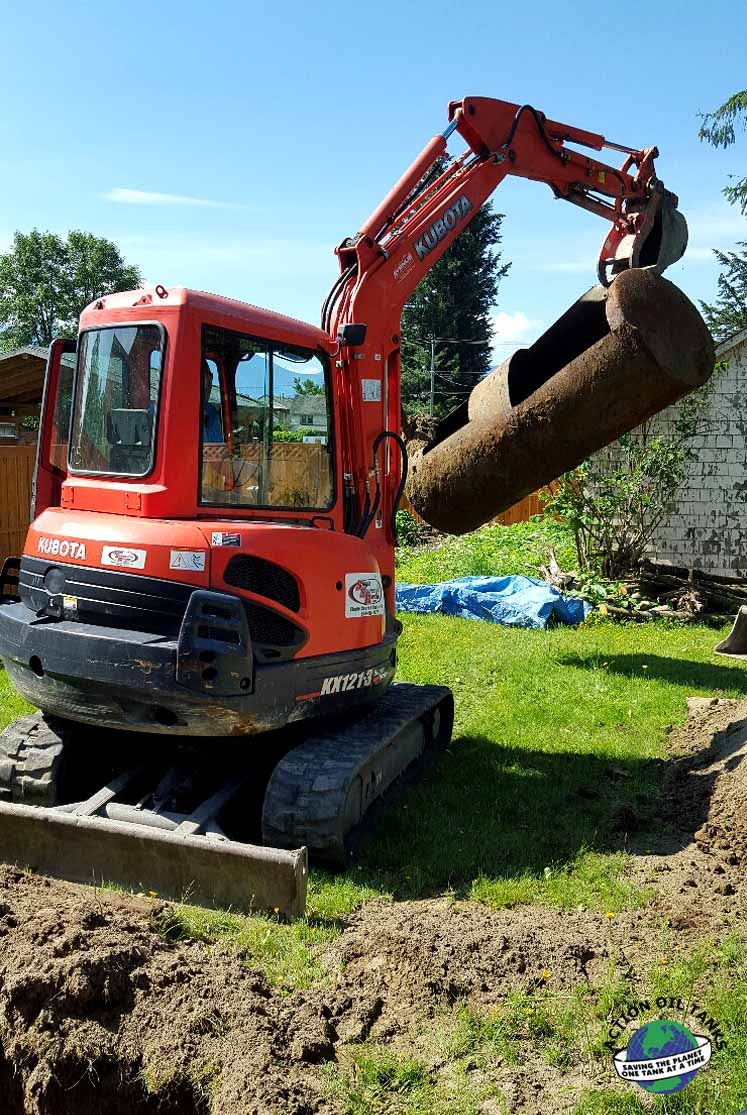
x=204, y=609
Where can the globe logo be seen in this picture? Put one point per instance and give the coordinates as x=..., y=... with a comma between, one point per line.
x=662, y=1057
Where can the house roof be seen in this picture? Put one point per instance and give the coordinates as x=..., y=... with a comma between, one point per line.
x=733, y=342
x=309, y=404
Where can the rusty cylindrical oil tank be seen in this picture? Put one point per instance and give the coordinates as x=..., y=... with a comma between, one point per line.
x=614, y=359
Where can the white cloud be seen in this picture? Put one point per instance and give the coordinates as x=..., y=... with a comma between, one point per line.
x=123, y=196
x=716, y=226
x=513, y=329
x=514, y=325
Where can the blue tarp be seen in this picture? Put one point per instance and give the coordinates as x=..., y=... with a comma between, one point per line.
x=516, y=601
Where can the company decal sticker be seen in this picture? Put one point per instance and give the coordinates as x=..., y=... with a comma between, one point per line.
x=61, y=547
x=187, y=559
x=404, y=267
x=70, y=605
x=123, y=557
x=344, y=683
x=364, y=595
x=225, y=538
x=663, y=1055
x=371, y=390
x=442, y=226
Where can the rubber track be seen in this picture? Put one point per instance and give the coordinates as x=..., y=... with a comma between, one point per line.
x=307, y=792
x=30, y=760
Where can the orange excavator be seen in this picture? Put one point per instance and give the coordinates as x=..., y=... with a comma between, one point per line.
x=204, y=611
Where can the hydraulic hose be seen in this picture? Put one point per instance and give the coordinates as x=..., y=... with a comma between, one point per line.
x=370, y=513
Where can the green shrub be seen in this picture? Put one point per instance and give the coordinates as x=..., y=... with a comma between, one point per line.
x=490, y=551
x=410, y=531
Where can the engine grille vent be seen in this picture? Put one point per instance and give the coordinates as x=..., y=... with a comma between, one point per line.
x=269, y=628
x=258, y=575
x=107, y=598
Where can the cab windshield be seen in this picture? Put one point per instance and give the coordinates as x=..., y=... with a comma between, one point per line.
x=265, y=424
x=115, y=405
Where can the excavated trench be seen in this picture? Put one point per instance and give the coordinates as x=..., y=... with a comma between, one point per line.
x=614, y=359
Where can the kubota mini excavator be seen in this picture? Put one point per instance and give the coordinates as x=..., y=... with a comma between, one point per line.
x=204, y=609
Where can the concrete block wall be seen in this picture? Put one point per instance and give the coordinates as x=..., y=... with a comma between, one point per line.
x=707, y=529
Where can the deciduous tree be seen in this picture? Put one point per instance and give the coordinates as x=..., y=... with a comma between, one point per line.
x=46, y=282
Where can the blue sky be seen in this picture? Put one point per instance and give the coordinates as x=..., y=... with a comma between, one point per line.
x=229, y=146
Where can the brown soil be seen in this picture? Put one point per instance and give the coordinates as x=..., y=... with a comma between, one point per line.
x=99, y=1010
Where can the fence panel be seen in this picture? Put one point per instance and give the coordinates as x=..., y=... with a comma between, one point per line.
x=16, y=474
x=519, y=513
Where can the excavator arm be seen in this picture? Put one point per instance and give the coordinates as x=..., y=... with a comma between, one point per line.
x=419, y=219
x=423, y=215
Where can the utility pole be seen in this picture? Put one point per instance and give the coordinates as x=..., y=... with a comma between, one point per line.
x=433, y=375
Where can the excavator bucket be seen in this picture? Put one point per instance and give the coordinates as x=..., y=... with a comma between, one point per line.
x=735, y=643
x=658, y=240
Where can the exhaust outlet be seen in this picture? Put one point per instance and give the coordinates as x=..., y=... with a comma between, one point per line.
x=615, y=358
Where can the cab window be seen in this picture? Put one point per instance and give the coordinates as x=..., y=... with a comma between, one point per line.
x=265, y=424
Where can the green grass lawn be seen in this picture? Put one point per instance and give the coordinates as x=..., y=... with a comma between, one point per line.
x=558, y=742
x=490, y=551
x=11, y=705
x=558, y=738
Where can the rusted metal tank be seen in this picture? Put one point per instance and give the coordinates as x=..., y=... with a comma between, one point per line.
x=615, y=358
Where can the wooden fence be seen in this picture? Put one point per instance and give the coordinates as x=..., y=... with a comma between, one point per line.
x=16, y=473
x=519, y=513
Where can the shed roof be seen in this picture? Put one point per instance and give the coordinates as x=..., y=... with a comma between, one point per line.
x=22, y=374
x=734, y=342
x=309, y=404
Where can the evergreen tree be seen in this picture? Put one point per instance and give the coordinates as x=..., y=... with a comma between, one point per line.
x=728, y=314
x=718, y=129
x=453, y=302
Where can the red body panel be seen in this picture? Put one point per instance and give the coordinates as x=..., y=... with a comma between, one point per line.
x=320, y=560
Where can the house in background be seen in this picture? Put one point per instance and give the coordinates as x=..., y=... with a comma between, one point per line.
x=309, y=411
x=707, y=529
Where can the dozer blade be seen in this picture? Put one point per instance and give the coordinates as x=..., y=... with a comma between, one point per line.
x=735, y=643
x=180, y=867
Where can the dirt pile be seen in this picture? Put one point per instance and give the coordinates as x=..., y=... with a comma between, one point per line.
x=705, y=803
x=98, y=1011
